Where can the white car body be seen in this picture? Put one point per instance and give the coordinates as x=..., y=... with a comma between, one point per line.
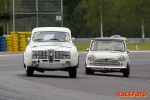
x=46, y=53
x=103, y=57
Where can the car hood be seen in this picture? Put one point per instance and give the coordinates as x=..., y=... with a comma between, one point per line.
x=55, y=46
x=106, y=55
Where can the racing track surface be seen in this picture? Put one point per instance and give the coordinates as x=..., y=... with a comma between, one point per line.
x=56, y=85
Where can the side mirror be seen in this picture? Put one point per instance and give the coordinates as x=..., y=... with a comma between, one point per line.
x=128, y=51
x=87, y=49
x=28, y=39
x=73, y=39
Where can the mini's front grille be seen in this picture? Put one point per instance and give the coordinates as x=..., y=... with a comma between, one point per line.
x=51, y=55
x=106, y=62
x=62, y=55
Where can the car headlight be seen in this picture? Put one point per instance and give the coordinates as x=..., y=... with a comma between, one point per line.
x=91, y=57
x=35, y=54
x=121, y=58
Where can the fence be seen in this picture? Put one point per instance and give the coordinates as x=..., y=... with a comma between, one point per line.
x=28, y=14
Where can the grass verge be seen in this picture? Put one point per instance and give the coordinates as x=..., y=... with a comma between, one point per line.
x=82, y=46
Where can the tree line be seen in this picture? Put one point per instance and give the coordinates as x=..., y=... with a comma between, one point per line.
x=128, y=18
x=90, y=18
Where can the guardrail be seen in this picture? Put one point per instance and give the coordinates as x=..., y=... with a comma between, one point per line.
x=128, y=39
x=17, y=41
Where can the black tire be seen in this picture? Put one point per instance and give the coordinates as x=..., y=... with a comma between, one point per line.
x=87, y=71
x=126, y=71
x=73, y=72
x=29, y=71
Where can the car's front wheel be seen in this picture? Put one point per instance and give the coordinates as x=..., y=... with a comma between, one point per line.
x=126, y=71
x=29, y=71
x=73, y=72
x=88, y=71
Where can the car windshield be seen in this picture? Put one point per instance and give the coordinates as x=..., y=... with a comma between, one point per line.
x=51, y=36
x=107, y=46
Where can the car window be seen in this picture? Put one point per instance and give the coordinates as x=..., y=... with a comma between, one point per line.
x=107, y=45
x=51, y=36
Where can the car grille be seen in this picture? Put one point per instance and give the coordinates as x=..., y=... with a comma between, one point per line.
x=106, y=62
x=42, y=54
x=39, y=55
x=62, y=55
x=51, y=55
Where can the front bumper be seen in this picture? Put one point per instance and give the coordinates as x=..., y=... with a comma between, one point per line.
x=106, y=68
x=112, y=67
x=56, y=64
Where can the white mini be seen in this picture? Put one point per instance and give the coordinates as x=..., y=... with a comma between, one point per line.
x=50, y=49
x=108, y=55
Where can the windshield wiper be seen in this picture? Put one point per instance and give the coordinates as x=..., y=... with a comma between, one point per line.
x=38, y=40
x=54, y=39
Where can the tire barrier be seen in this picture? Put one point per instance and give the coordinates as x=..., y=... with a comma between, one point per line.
x=14, y=42
x=2, y=44
x=8, y=43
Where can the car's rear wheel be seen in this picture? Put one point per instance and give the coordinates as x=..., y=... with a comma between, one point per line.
x=29, y=71
x=73, y=72
x=126, y=71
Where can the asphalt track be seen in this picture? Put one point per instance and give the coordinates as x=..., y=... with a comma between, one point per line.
x=57, y=85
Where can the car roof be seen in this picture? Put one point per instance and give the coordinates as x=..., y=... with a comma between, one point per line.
x=61, y=29
x=109, y=39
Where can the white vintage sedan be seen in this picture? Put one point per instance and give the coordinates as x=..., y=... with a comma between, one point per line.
x=51, y=49
x=108, y=55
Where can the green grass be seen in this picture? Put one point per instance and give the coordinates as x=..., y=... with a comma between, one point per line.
x=140, y=45
x=82, y=46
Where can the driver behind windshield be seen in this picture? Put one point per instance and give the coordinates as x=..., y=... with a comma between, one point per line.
x=61, y=37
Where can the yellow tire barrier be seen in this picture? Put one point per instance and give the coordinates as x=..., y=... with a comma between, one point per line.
x=15, y=39
x=9, y=50
x=21, y=49
x=21, y=33
x=8, y=36
x=9, y=39
x=22, y=46
x=14, y=35
x=21, y=43
x=22, y=36
x=15, y=45
x=15, y=50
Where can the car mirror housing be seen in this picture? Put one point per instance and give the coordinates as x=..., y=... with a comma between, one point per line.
x=73, y=39
x=28, y=39
x=128, y=51
x=87, y=49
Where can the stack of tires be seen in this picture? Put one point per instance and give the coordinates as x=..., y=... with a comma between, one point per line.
x=8, y=43
x=22, y=41
x=15, y=43
x=2, y=44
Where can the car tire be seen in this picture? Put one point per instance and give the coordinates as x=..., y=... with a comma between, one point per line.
x=73, y=72
x=126, y=71
x=29, y=71
x=87, y=71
